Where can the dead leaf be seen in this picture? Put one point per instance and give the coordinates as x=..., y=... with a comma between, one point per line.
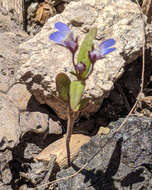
x=44, y=12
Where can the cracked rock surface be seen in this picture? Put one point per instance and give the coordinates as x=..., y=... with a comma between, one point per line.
x=120, y=161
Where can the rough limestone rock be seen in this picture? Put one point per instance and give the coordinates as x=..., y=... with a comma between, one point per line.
x=19, y=96
x=6, y=175
x=8, y=60
x=10, y=38
x=43, y=60
x=15, y=7
x=9, y=127
x=55, y=126
x=33, y=121
x=120, y=161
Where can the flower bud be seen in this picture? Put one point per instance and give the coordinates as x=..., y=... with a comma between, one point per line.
x=80, y=67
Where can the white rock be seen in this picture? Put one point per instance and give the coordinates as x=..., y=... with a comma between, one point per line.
x=43, y=60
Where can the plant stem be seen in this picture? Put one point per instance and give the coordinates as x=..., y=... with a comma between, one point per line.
x=71, y=119
x=74, y=65
x=91, y=71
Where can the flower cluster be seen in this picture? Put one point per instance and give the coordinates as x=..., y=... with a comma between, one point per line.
x=71, y=92
x=64, y=37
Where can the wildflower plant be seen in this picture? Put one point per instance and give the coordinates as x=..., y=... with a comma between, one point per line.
x=71, y=92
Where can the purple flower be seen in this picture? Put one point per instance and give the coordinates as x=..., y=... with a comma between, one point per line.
x=64, y=37
x=104, y=49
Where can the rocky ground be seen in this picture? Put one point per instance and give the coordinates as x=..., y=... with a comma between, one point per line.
x=28, y=127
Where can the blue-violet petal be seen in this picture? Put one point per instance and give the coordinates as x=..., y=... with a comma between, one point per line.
x=62, y=27
x=57, y=37
x=106, y=51
x=107, y=43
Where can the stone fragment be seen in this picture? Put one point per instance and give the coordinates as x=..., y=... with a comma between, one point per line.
x=6, y=187
x=8, y=61
x=58, y=148
x=43, y=59
x=5, y=171
x=9, y=126
x=31, y=149
x=37, y=172
x=119, y=160
x=103, y=130
x=31, y=10
x=36, y=122
x=20, y=96
x=55, y=126
x=15, y=7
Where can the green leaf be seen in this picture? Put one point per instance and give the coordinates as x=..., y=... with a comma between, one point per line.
x=84, y=49
x=63, y=86
x=76, y=91
x=82, y=105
